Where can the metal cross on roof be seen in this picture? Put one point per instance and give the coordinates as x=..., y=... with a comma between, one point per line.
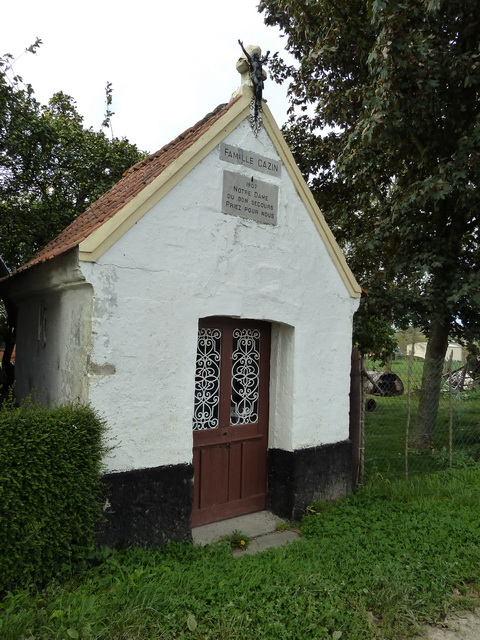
x=257, y=75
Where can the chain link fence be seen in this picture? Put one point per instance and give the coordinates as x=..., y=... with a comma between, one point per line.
x=397, y=442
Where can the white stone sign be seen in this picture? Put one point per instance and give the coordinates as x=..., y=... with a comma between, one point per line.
x=249, y=198
x=235, y=155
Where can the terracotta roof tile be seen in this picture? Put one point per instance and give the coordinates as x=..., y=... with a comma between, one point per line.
x=130, y=185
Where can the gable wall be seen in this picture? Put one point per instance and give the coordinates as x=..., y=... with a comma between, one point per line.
x=185, y=260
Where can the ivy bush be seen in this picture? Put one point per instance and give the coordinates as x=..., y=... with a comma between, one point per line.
x=50, y=490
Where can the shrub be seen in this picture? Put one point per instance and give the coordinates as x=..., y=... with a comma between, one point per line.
x=50, y=491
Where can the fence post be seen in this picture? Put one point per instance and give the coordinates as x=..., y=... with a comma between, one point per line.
x=450, y=409
x=409, y=408
x=356, y=433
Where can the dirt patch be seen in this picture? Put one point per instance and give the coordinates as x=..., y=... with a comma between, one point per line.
x=457, y=626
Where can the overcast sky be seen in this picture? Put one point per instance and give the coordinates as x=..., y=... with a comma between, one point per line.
x=170, y=62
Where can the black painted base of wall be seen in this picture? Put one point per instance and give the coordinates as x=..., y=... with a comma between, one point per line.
x=299, y=478
x=148, y=507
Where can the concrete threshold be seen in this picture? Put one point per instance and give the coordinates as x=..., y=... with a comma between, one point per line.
x=261, y=527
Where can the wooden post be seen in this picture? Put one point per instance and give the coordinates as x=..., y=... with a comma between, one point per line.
x=450, y=409
x=356, y=417
x=409, y=408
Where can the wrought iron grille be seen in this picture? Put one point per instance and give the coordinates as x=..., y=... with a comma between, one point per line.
x=207, y=379
x=245, y=376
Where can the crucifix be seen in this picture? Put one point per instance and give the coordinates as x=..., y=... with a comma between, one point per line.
x=257, y=76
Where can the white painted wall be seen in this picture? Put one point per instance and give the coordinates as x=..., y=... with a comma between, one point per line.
x=53, y=333
x=185, y=260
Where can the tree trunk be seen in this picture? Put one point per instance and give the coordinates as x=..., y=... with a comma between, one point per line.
x=431, y=385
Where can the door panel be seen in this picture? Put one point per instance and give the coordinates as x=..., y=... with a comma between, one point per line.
x=230, y=424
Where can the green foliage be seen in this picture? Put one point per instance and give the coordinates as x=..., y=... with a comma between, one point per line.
x=50, y=494
x=372, y=334
x=3, y=325
x=51, y=167
x=372, y=566
x=237, y=540
x=394, y=88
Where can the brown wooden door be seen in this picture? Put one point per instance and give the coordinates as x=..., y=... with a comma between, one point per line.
x=230, y=424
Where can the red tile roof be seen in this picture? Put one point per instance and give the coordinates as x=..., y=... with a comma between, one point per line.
x=130, y=185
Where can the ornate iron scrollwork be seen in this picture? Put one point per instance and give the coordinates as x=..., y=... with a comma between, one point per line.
x=245, y=376
x=207, y=379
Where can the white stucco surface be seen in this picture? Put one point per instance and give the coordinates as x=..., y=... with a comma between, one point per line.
x=53, y=333
x=185, y=260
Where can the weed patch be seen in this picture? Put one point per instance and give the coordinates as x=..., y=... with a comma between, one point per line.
x=237, y=540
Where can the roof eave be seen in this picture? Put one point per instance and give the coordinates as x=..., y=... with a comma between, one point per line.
x=101, y=239
x=308, y=200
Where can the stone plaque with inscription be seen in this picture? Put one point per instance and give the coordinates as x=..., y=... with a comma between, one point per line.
x=255, y=161
x=249, y=198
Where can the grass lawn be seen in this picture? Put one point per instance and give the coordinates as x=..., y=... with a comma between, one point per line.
x=371, y=566
x=386, y=430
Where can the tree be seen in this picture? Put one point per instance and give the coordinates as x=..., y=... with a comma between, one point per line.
x=51, y=169
x=408, y=338
x=385, y=123
x=51, y=166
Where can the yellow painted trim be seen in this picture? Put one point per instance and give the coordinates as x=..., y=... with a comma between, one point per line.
x=308, y=200
x=93, y=247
